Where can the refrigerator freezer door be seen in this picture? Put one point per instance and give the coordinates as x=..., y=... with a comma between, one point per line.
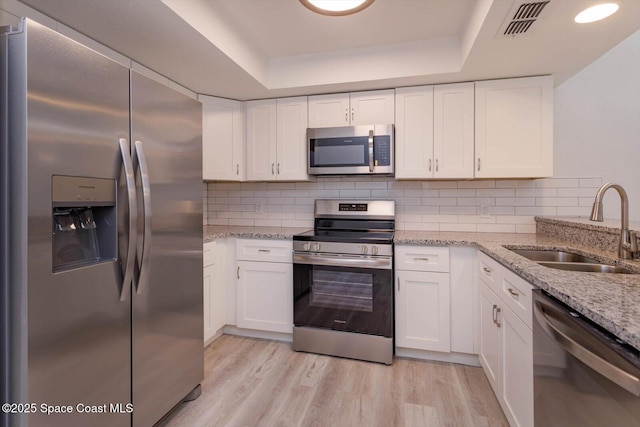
x=166, y=132
x=70, y=331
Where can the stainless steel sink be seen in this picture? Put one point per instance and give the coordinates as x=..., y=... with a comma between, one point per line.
x=590, y=268
x=554, y=256
x=570, y=261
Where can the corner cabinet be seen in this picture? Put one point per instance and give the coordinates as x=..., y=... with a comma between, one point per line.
x=514, y=128
x=506, y=339
x=264, y=277
x=223, y=123
x=435, y=132
x=276, y=139
x=352, y=109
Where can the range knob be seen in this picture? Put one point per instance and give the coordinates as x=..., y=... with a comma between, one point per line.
x=306, y=246
x=374, y=250
x=364, y=249
x=316, y=247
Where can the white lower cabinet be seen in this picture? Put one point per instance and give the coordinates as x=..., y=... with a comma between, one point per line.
x=264, y=287
x=422, y=310
x=422, y=298
x=213, y=288
x=506, y=340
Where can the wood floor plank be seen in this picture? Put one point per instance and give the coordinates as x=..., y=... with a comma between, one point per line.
x=252, y=382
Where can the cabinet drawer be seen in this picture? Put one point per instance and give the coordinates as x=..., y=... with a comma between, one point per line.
x=516, y=294
x=264, y=250
x=208, y=254
x=489, y=271
x=422, y=258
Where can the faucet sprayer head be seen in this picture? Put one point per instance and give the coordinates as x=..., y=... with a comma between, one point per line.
x=597, y=212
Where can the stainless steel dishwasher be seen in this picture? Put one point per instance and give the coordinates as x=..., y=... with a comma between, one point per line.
x=583, y=375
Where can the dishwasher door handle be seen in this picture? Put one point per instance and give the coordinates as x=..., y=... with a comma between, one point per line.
x=613, y=373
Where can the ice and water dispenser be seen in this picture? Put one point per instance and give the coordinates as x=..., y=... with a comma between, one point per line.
x=84, y=221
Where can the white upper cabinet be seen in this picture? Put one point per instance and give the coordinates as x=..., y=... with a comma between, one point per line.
x=261, y=140
x=514, y=128
x=453, y=131
x=434, y=132
x=291, y=130
x=414, y=132
x=222, y=139
x=351, y=109
x=276, y=139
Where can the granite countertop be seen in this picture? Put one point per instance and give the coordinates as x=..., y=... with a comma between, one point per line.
x=214, y=232
x=610, y=300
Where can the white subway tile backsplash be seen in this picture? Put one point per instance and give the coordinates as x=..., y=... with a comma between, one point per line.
x=420, y=205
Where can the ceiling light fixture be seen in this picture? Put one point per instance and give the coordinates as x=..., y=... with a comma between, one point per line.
x=336, y=7
x=596, y=13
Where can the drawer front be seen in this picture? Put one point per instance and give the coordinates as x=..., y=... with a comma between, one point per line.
x=208, y=254
x=516, y=294
x=265, y=250
x=422, y=258
x=489, y=271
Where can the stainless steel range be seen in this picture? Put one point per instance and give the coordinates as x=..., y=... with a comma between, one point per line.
x=343, y=281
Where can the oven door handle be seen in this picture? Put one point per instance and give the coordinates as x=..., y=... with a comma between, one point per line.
x=343, y=261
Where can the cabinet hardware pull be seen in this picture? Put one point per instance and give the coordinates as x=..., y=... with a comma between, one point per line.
x=272, y=168
x=493, y=315
x=429, y=165
x=398, y=284
x=237, y=168
x=264, y=250
x=436, y=165
x=238, y=272
x=498, y=310
x=478, y=164
x=346, y=115
x=278, y=170
x=487, y=270
x=513, y=293
x=421, y=259
x=352, y=115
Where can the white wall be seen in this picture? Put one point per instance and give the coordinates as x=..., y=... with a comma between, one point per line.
x=597, y=124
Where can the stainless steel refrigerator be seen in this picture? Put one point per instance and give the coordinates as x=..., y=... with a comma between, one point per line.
x=101, y=244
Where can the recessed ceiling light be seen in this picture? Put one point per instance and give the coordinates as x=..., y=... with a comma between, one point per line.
x=596, y=13
x=336, y=7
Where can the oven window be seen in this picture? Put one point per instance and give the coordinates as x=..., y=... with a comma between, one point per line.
x=342, y=290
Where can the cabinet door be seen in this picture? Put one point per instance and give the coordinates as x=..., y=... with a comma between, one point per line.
x=292, y=139
x=222, y=139
x=422, y=310
x=414, y=132
x=491, y=337
x=261, y=140
x=208, y=277
x=514, y=128
x=265, y=296
x=376, y=107
x=517, y=369
x=453, y=131
x=329, y=110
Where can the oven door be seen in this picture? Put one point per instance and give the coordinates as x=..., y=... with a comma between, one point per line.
x=344, y=293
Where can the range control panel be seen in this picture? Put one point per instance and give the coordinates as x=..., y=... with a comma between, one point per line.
x=353, y=207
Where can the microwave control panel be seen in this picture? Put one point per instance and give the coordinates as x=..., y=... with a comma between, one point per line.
x=382, y=150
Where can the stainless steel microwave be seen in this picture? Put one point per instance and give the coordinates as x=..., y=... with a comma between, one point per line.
x=351, y=150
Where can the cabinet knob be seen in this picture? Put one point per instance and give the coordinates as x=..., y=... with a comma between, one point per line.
x=307, y=246
x=364, y=249
x=316, y=247
x=374, y=250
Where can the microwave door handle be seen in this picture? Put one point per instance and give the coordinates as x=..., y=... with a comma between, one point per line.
x=371, y=151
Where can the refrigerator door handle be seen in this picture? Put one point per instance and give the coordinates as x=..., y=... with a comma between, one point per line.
x=143, y=254
x=133, y=218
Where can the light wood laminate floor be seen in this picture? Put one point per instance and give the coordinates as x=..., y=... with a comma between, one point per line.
x=251, y=382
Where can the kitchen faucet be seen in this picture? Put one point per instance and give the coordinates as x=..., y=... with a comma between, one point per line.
x=628, y=247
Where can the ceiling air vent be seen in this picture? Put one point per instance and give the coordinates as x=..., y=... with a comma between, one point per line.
x=521, y=17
